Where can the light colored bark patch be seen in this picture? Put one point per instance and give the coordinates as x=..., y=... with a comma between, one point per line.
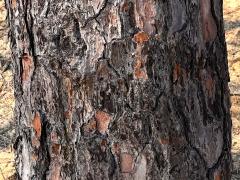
x=141, y=171
x=26, y=163
x=114, y=25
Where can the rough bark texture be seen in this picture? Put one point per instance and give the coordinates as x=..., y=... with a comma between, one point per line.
x=120, y=89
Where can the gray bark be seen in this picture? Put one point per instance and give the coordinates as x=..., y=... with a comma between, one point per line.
x=120, y=89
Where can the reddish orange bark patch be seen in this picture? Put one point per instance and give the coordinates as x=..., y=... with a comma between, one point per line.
x=103, y=120
x=126, y=163
x=141, y=37
x=37, y=126
x=27, y=64
x=176, y=72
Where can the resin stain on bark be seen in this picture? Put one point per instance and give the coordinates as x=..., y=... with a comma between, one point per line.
x=209, y=27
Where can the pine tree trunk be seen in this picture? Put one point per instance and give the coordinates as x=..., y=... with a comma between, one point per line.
x=130, y=89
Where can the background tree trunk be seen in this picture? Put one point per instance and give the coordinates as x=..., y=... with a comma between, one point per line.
x=130, y=89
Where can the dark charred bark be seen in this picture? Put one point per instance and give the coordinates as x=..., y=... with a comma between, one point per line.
x=130, y=89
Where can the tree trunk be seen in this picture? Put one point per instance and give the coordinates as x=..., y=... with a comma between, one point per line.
x=130, y=89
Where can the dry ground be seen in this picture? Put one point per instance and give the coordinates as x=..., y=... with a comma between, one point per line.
x=6, y=104
x=232, y=26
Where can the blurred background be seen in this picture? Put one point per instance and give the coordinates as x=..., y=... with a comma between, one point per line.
x=232, y=28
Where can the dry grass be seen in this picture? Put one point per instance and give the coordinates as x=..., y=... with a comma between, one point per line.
x=6, y=104
x=232, y=26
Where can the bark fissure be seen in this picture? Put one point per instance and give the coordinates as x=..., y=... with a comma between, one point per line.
x=29, y=27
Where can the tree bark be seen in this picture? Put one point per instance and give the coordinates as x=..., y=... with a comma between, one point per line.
x=130, y=89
